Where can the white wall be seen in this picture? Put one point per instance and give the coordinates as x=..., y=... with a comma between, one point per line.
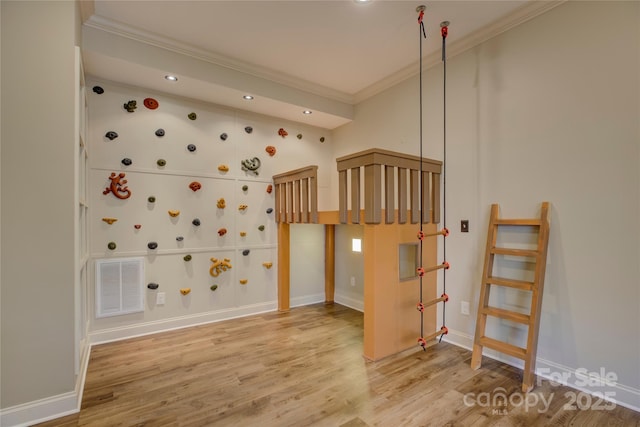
x=38, y=154
x=546, y=111
x=169, y=184
x=349, y=264
x=307, y=264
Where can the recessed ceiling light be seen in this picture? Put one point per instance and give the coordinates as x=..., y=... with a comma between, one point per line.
x=171, y=78
x=248, y=97
x=307, y=112
x=362, y=1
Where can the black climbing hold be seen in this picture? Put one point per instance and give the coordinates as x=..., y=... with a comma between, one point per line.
x=248, y=129
x=160, y=132
x=322, y=139
x=299, y=136
x=152, y=245
x=151, y=199
x=130, y=106
x=153, y=286
x=245, y=187
x=261, y=228
x=191, y=147
x=111, y=245
x=213, y=287
x=224, y=136
x=126, y=161
x=196, y=222
x=187, y=258
x=161, y=162
x=269, y=210
x=98, y=90
x=111, y=135
x=192, y=116
x=246, y=252
x=179, y=238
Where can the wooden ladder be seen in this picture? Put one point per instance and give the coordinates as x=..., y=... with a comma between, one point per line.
x=532, y=320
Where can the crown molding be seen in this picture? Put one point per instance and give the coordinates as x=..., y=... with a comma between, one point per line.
x=515, y=18
x=123, y=30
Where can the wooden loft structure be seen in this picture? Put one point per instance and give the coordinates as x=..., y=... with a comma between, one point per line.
x=392, y=183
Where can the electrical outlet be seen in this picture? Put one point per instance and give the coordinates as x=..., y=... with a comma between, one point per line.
x=353, y=281
x=464, y=226
x=160, y=298
x=464, y=307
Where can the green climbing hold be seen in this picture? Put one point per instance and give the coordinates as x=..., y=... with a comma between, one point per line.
x=261, y=228
x=161, y=162
x=187, y=258
x=245, y=187
x=192, y=116
x=213, y=287
x=111, y=245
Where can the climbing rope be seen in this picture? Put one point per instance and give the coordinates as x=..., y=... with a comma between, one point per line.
x=421, y=34
x=444, y=31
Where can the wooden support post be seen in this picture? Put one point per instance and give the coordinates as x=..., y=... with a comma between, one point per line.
x=329, y=263
x=284, y=257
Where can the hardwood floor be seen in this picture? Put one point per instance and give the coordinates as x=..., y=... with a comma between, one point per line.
x=305, y=368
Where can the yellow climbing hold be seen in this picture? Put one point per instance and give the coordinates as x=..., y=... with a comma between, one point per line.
x=243, y=281
x=219, y=266
x=243, y=233
x=174, y=214
x=109, y=220
x=242, y=207
x=185, y=291
x=267, y=264
x=221, y=203
x=223, y=168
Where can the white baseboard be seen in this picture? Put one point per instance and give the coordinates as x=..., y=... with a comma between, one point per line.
x=306, y=300
x=140, y=329
x=356, y=304
x=596, y=384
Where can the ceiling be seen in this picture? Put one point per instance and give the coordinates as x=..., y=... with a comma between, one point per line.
x=324, y=56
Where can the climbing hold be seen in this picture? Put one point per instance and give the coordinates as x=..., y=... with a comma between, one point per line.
x=109, y=220
x=420, y=235
x=282, y=132
x=185, y=291
x=246, y=252
x=243, y=233
x=150, y=103
x=152, y=245
x=160, y=132
x=179, y=239
x=223, y=168
x=153, y=286
x=242, y=207
x=161, y=162
x=422, y=342
x=196, y=222
x=420, y=271
x=219, y=266
x=251, y=165
x=126, y=161
x=221, y=204
x=118, y=186
x=195, y=186
x=420, y=307
x=245, y=187
x=173, y=214
x=248, y=129
x=98, y=90
x=191, y=147
x=224, y=136
x=213, y=287
x=222, y=231
x=269, y=188
x=299, y=136
x=271, y=150
x=243, y=281
x=192, y=116
x=269, y=210
x=322, y=139
x=111, y=245
x=187, y=257
x=267, y=265
x=130, y=106
x=151, y=199
x=111, y=135
x=261, y=228
x=137, y=226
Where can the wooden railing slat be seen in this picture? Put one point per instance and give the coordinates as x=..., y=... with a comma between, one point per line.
x=402, y=195
x=304, y=200
x=414, y=198
x=389, y=197
x=342, y=196
x=355, y=195
x=426, y=198
x=435, y=187
x=372, y=194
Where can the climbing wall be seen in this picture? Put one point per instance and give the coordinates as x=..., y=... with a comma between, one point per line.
x=188, y=199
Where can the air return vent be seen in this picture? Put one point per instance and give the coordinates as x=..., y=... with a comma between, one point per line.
x=119, y=286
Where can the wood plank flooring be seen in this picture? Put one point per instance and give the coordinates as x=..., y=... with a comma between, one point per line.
x=305, y=368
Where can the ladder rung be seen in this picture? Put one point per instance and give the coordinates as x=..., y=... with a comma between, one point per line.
x=514, y=316
x=503, y=347
x=518, y=284
x=533, y=221
x=515, y=252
